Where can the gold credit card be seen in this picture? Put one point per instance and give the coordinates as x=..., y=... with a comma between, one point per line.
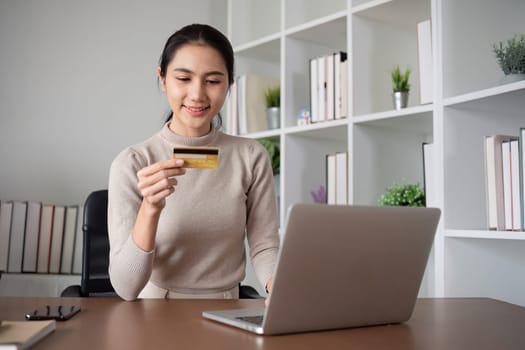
x=198, y=157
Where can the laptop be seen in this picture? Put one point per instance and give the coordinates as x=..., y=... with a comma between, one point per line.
x=343, y=266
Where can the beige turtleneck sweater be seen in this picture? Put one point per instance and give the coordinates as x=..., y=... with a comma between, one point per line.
x=199, y=246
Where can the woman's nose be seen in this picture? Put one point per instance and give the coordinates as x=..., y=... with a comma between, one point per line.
x=196, y=90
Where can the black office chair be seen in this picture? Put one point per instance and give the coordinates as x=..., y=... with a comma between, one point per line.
x=95, y=257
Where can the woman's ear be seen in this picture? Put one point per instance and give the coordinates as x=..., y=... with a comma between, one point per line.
x=162, y=79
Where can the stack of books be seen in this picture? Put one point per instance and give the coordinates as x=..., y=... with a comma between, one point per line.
x=505, y=187
x=329, y=87
x=337, y=178
x=40, y=238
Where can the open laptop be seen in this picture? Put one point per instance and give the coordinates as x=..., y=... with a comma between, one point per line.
x=343, y=266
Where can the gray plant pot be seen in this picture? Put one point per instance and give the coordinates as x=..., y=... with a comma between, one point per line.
x=400, y=99
x=273, y=115
x=511, y=78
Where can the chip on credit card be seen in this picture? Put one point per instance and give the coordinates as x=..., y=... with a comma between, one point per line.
x=198, y=157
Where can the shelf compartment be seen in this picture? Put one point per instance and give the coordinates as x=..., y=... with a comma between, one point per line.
x=300, y=47
x=388, y=151
x=384, y=36
x=465, y=127
x=305, y=160
x=468, y=39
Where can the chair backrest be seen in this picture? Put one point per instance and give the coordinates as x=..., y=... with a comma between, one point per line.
x=95, y=276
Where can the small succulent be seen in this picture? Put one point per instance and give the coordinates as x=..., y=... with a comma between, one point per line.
x=400, y=80
x=272, y=97
x=511, y=55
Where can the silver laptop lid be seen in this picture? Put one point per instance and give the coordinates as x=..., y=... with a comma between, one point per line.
x=348, y=266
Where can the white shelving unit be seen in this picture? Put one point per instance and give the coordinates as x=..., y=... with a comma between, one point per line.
x=35, y=285
x=277, y=38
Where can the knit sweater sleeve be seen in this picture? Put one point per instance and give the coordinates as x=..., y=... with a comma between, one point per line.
x=261, y=225
x=130, y=267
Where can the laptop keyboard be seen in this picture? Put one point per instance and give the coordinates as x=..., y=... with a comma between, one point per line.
x=258, y=320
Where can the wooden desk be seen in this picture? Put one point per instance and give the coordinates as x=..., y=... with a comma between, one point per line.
x=110, y=323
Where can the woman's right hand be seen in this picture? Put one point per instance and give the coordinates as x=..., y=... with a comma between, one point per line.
x=158, y=181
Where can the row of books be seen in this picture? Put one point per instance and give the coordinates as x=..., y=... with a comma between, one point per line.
x=329, y=87
x=247, y=105
x=41, y=238
x=337, y=178
x=504, y=174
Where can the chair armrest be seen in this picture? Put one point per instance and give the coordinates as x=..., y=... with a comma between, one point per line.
x=248, y=292
x=71, y=292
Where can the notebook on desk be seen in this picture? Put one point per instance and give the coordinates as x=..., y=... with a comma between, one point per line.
x=341, y=267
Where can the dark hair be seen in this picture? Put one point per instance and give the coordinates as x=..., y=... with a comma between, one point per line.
x=198, y=34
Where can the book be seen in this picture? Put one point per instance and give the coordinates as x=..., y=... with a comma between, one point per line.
x=57, y=235
x=330, y=179
x=522, y=177
x=70, y=227
x=31, y=236
x=321, y=88
x=341, y=180
x=20, y=335
x=494, y=181
x=16, y=237
x=515, y=174
x=44, y=241
x=79, y=243
x=314, y=90
x=330, y=87
x=6, y=210
x=424, y=41
x=341, y=85
x=511, y=184
x=429, y=174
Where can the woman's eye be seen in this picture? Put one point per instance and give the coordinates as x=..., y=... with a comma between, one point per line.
x=183, y=79
x=213, y=81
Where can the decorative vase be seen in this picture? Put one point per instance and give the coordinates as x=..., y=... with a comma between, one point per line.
x=400, y=99
x=273, y=115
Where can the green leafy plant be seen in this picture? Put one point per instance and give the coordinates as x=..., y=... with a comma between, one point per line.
x=272, y=97
x=408, y=195
x=273, y=152
x=511, y=55
x=400, y=80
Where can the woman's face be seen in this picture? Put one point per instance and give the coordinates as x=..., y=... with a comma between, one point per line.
x=196, y=85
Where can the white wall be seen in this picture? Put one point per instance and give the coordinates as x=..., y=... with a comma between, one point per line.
x=78, y=84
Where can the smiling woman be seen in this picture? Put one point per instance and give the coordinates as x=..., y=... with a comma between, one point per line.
x=179, y=231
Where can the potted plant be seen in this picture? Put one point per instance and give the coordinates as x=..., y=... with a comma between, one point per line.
x=511, y=57
x=273, y=152
x=407, y=195
x=273, y=103
x=400, y=87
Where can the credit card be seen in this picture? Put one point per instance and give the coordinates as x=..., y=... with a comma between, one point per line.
x=198, y=157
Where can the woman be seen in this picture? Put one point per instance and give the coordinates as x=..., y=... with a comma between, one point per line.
x=179, y=232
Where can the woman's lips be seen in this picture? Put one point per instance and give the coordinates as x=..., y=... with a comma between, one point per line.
x=197, y=110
